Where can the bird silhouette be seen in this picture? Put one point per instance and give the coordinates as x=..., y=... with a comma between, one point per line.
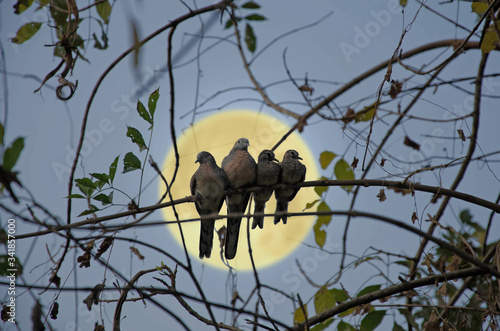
x=208, y=184
x=240, y=168
x=292, y=172
x=268, y=172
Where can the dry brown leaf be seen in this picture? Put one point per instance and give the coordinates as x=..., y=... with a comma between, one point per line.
x=354, y=163
x=403, y=191
x=433, y=323
x=428, y=263
x=381, y=195
x=106, y=243
x=453, y=265
x=443, y=290
x=461, y=134
x=137, y=253
x=410, y=143
x=414, y=217
x=54, y=311
x=396, y=88
x=349, y=116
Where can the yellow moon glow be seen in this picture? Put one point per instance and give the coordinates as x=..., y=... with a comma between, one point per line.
x=217, y=134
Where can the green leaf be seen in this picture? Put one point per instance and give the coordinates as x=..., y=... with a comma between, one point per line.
x=325, y=158
x=340, y=295
x=343, y=326
x=490, y=39
x=59, y=12
x=230, y=22
x=255, y=17
x=86, y=186
x=105, y=199
x=372, y=320
x=101, y=177
x=343, y=170
x=397, y=327
x=250, y=5
x=25, y=32
x=323, y=325
x=323, y=300
x=143, y=112
x=309, y=205
x=479, y=7
x=112, y=170
x=347, y=312
x=104, y=10
x=403, y=3
x=319, y=234
x=366, y=114
x=92, y=209
x=250, y=38
x=12, y=153
x=298, y=316
x=22, y=5
x=6, y=264
x=75, y=196
x=131, y=162
x=368, y=289
x=465, y=216
x=322, y=220
x=136, y=137
x=153, y=99
x=321, y=189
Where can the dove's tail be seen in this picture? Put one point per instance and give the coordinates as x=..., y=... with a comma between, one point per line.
x=258, y=220
x=281, y=207
x=232, y=236
x=206, y=238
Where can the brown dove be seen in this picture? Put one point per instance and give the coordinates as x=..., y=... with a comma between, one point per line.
x=208, y=184
x=292, y=172
x=240, y=169
x=268, y=172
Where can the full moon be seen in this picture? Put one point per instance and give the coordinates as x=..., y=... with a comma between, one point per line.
x=217, y=134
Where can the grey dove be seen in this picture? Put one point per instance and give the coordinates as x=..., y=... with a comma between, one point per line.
x=240, y=169
x=268, y=172
x=208, y=184
x=292, y=172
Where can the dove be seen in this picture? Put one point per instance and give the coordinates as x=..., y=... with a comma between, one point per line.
x=268, y=173
x=240, y=168
x=292, y=172
x=208, y=184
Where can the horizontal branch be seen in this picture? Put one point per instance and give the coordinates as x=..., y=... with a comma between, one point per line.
x=391, y=290
x=96, y=220
x=355, y=182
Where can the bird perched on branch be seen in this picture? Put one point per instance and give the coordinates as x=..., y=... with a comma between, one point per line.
x=268, y=172
x=293, y=172
x=240, y=169
x=208, y=184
